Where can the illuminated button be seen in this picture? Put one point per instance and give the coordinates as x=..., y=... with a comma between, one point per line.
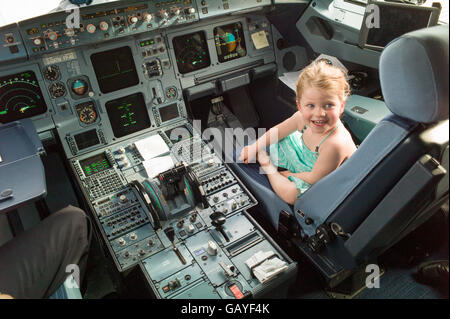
x=236, y=291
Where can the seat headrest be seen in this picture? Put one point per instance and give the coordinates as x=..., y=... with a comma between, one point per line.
x=414, y=75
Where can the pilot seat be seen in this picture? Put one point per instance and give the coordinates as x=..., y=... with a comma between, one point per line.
x=393, y=183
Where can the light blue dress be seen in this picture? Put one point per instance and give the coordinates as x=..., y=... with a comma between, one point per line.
x=292, y=154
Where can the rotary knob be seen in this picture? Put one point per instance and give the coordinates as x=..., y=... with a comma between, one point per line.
x=163, y=14
x=37, y=41
x=69, y=32
x=104, y=26
x=175, y=11
x=53, y=36
x=191, y=10
x=91, y=28
x=133, y=20
x=148, y=17
x=190, y=228
x=123, y=198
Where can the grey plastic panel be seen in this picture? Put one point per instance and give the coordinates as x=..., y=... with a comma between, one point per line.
x=218, y=70
x=166, y=262
x=201, y=290
x=345, y=25
x=11, y=48
x=212, y=8
x=21, y=169
x=362, y=114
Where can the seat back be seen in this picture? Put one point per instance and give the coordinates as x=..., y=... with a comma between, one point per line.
x=414, y=82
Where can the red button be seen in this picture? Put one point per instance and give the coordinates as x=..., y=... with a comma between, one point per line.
x=236, y=292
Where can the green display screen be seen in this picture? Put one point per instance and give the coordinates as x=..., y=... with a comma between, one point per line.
x=95, y=164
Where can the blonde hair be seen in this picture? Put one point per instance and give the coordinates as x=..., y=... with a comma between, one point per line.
x=322, y=75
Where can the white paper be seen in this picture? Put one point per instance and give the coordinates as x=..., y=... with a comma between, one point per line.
x=151, y=146
x=157, y=165
x=290, y=79
x=260, y=40
x=268, y=269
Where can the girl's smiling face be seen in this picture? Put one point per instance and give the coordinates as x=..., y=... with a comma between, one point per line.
x=320, y=109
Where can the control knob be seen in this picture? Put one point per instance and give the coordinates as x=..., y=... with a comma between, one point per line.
x=53, y=36
x=91, y=28
x=190, y=228
x=212, y=248
x=37, y=41
x=133, y=20
x=175, y=11
x=104, y=26
x=69, y=32
x=163, y=14
x=148, y=17
x=123, y=198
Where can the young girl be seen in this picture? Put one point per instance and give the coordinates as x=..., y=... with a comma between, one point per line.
x=311, y=143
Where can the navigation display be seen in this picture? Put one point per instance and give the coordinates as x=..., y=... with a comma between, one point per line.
x=95, y=164
x=191, y=52
x=115, y=69
x=128, y=114
x=230, y=42
x=20, y=97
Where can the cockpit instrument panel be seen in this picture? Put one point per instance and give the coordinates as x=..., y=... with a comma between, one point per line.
x=191, y=52
x=115, y=69
x=230, y=42
x=20, y=97
x=128, y=114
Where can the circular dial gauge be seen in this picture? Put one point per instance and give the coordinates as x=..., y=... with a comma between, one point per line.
x=20, y=97
x=52, y=73
x=79, y=87
x=86, y=112
x=57, y=89
x=171, y=93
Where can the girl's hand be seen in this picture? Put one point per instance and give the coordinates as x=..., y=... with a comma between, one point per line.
x=286, y=173
x=248, y=154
